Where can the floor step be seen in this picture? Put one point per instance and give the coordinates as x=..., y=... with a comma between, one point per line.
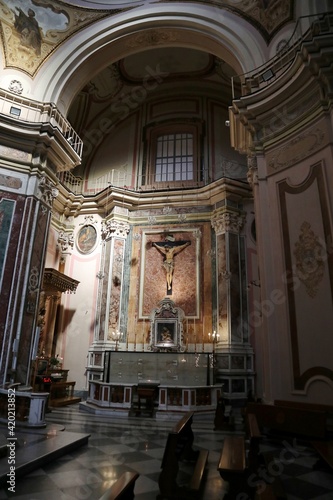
x=36, y=447
x=64, y=401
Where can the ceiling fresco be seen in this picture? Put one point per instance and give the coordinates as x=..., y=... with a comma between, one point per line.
x=32, y=29
x=266, y=15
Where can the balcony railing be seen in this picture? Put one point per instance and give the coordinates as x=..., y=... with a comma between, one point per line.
x=30, y=111
x=122, y=178
x=247, y=83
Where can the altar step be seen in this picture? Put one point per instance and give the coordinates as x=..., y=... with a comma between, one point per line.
x=69, y=400
x=34, y=448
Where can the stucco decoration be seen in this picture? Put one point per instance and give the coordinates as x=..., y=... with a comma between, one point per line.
x=151, y=38
x=309, y=254
x=16, y=87
x=295, y=150
x=267, y=15
x=31, y=31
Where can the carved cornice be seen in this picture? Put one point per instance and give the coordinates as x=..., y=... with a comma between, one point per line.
x=55, y=281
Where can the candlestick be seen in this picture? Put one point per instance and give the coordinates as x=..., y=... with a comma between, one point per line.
x=143, y=335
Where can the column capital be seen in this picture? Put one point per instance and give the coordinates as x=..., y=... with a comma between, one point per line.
x=227, y=221
x=114, y=228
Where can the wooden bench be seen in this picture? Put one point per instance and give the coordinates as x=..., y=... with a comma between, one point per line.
x=178, y=448
x=327, y=409
x=325, y=450
x=284, y=421
x=273, y=483
x=232, y=465
x=254, y=437
x=265, y=493
x=123, y=488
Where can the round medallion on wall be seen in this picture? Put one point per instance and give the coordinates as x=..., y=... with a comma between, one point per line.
x=86, y=239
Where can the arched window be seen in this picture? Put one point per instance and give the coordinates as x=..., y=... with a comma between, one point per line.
x=172, y=154
x=174, y=157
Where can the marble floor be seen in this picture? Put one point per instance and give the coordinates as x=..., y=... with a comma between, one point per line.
x=119, y=444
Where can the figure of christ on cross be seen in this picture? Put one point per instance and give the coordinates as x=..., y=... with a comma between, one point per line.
x=169, y=250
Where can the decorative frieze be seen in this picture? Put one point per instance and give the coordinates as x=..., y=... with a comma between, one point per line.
x=15, y=154
x=300, y=147
x=152, y=37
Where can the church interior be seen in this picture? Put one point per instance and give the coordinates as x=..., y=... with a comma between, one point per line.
x=166, y=227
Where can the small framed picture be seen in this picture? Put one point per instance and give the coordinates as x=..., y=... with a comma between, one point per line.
x=165, y=332
x=86, y=239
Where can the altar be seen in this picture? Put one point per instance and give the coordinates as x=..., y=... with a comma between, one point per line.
x=183, y=382
x=181, y=376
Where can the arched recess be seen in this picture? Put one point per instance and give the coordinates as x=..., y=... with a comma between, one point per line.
x=212, y=30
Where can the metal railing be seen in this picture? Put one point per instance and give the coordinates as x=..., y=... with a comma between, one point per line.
x=30, y=111
x=122, y=178
x=255, y=80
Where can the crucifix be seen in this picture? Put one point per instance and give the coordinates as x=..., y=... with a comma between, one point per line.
x=169, y=249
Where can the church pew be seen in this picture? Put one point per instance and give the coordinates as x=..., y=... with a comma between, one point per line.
x=325, y=450
x=178, y=449
x=287, y=421
x=232, y=465
x=273, y=483
x=254, y=437
x=123, y=488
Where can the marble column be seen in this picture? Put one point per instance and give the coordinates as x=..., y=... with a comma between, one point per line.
x=233, y=352
x=111, y=283
x=25, y=229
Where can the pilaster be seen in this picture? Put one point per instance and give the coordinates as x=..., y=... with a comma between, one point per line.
x=234, y=356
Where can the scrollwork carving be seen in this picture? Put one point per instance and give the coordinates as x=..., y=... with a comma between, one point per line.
x=309, y=254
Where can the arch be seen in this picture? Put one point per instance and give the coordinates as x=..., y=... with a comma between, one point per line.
x=212, y=30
